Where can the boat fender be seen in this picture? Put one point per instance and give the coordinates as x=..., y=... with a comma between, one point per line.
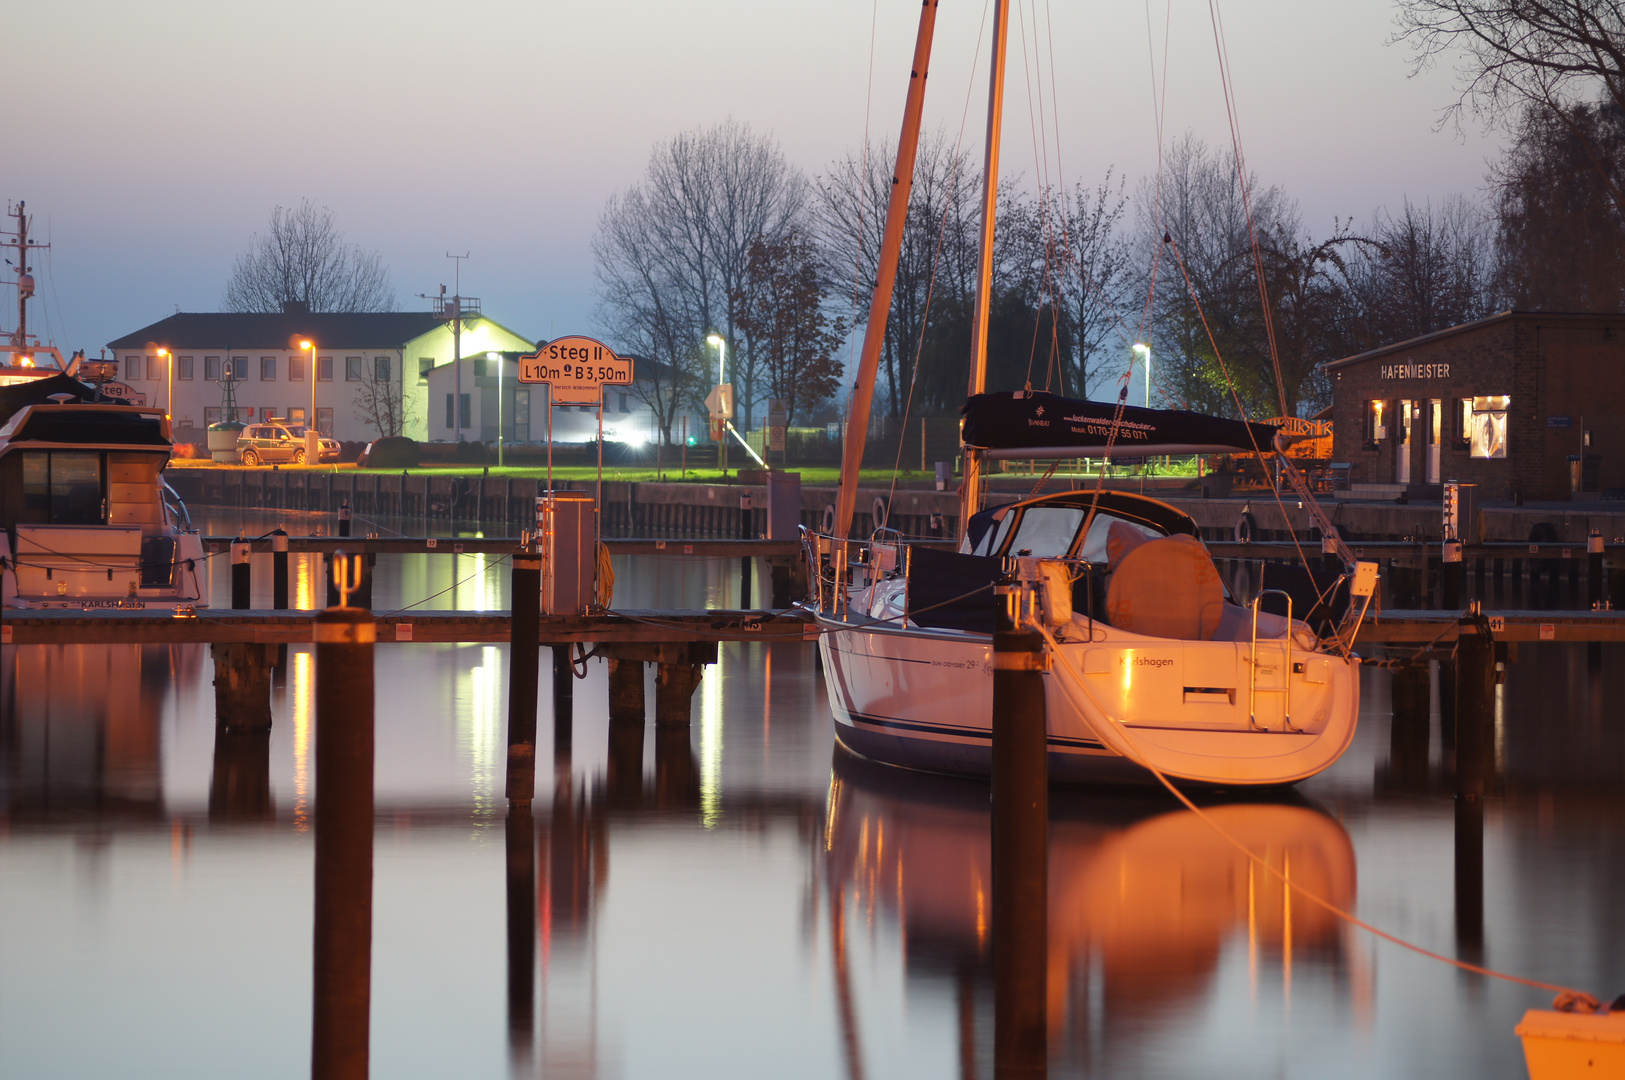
x=879, y=510
x=829, y=520
x=1246, y=527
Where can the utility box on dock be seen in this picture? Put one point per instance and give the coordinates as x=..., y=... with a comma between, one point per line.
x=567, y=537
x=1461, y=512
x=783, y=505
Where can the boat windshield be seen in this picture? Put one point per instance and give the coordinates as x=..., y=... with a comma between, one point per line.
x=1047, y=531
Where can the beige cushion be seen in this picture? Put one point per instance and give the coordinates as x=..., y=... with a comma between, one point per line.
x=1167, y=588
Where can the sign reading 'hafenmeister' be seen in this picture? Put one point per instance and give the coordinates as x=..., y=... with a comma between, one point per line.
x=575, y=369
x=1416, y=371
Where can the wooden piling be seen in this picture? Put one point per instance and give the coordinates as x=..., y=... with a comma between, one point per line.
x=1451, y=575
x=563, y=701
x=242, y=684
x=342, y=990
x=524, y=670
x=1020, y=828
x=674, y=693
x=279, y=569
x=1410, y=727
x=520, y=837
x=241, y=573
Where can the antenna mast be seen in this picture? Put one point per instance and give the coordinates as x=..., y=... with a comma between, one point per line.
x=25, y=275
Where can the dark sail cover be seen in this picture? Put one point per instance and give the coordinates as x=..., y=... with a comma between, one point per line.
x=1047, y=422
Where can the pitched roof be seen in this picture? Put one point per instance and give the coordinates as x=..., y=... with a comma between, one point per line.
x=234, y=330
x=1545, y=317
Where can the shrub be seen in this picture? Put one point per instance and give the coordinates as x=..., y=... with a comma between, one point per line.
x=472, y=453
x=392, y=452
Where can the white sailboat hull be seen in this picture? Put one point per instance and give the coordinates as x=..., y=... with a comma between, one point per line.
x=923, y=699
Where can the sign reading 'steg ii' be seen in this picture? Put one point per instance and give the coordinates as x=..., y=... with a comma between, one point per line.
x=575, y=369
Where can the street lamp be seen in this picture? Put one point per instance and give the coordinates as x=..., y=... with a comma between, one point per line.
x=169, y=396
x=313, y=441
x=1144, y=352
x=497, y=357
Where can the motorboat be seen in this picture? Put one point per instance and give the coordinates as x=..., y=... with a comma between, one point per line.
x=86, y=517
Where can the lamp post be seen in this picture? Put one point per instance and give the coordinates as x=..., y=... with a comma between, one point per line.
x=313, y=442
x=1144, y=352
x=169, y=395
x=722, y=363
x=497, y=358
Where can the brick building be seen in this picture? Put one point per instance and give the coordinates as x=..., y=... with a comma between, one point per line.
x=1504, y=403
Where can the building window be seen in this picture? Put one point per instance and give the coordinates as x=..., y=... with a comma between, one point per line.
x=155, y=367
x=1487, y=426
x=380, y=368
x=425, y=365
x=185, y=369
x=296, y=368
x=211, y=415
x=352, y=369
x=521, y=414
x=465, y=413
x=296, y=415
x=267, y=413
x=479, y=367
x=324, y=421
x=267, y=369
x=1376, y=421
x=211, y=368
x=239, y=368
x=626, y=403
x=324, y=369
x=132, y=368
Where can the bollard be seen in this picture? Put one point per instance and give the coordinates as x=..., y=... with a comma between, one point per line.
x=524, y=669
x=744, y=560
x=1451, y=572
x=1020, y=828
x=520, y=836
x=563, y=702
x=344, y=519
x=241, y=573
x=342, y=932
x=279, y=569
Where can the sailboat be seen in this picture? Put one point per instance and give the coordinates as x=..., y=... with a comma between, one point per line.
x=1152, y=665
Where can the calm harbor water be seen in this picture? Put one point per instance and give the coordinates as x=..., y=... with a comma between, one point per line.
x=761, y=904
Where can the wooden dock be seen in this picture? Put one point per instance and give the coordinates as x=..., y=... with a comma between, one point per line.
x=264, y=627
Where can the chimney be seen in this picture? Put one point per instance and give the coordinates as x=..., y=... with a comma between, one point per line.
x=295, y=307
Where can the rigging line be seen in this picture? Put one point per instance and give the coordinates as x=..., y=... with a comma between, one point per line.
x=1158, y=220
x=1139, y=759
x=1235, y=396
x=936, y=255
x=1037, y=128
x=1060, y=183
x=1228, y=87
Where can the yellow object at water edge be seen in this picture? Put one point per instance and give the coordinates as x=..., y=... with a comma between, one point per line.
x=1566, y=1045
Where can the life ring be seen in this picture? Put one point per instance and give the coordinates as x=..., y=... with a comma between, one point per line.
x=829, y=520
x=879, y=510
x=1246, y=527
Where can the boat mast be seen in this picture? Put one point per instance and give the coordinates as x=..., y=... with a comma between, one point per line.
x=25, y=275
x=970, y=491
x=891, y=246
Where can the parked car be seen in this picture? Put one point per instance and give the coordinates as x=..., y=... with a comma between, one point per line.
x=275, y=441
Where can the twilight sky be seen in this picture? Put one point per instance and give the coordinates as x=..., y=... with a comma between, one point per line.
x=151, y=141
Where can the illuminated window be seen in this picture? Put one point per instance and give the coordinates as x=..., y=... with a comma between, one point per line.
x=1487, y=426
x=1376, y=425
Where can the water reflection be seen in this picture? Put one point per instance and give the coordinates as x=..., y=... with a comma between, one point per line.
x=1144, y=901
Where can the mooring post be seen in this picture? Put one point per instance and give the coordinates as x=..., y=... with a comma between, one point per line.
x=344, y=518
x=1409, y=694
x=627, y=710
x=1475, y=761
x=1451, y=573
x=1020, y=830
x=744, y=560
x=242, y=684
x=241, y=573
x=341, y=994
x=524, y=670
x=279, y=569
x=361, y=595
x=563, y=700
x=520, y=835
x=1596, y=592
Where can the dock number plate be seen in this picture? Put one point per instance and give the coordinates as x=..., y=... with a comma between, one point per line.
x=575, y=370
x=1498, y=624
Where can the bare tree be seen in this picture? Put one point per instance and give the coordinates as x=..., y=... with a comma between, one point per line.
x=672, y=249
x=381, y=403
x=1552, y=56
x=1426, y=269
x=302, y=257
x=780, y=311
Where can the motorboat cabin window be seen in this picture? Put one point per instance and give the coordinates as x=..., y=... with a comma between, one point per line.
x=62, y=487
x=1487, y=433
